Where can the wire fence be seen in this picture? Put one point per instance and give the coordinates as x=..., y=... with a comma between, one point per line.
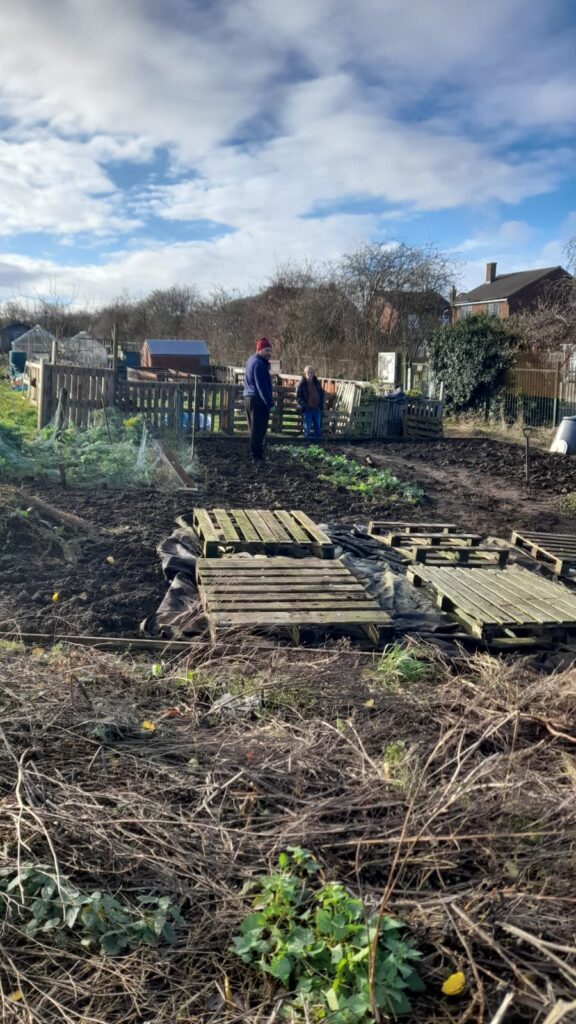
x=538, y=396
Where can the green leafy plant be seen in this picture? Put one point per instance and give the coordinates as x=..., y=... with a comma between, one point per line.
x=342, y=471
x=472, y=358
x=35, y=898
x=315, y=939
x=400, y=664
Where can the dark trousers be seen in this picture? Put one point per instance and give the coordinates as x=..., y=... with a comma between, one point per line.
x=257, y=414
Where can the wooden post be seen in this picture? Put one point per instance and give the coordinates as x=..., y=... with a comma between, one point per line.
x=44, y=393
x=114, y=362
x=54, y=352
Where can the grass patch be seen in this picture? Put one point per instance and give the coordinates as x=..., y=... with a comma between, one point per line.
x=342, y=471
x=398, y=665
x=17, y=416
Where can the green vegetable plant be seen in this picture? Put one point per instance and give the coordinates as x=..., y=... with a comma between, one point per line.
x=341, y=471
x=314, y=937
x=43, y=904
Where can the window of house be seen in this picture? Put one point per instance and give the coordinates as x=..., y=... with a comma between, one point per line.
x=465, y=311
x=493, y=309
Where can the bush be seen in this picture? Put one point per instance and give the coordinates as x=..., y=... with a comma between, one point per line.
x=472, y=358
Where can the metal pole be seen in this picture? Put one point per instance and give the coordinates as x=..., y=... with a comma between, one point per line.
x=556, y=396
x=527, y=431
x=194, y=416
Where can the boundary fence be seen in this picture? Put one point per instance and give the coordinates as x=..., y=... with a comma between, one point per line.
x=206, y=407
x=539, y=396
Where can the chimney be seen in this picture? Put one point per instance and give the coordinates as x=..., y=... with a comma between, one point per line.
x=490, y=273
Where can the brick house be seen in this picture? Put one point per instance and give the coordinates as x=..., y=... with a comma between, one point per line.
x=503, y=295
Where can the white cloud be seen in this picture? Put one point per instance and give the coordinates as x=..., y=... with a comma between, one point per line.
x=332, y=94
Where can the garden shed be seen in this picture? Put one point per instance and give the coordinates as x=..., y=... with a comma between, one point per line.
x=185, y=355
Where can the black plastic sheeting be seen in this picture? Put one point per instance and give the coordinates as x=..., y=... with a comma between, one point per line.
x=379, y=569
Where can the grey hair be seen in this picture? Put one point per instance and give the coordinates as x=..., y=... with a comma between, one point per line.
x=306, y=368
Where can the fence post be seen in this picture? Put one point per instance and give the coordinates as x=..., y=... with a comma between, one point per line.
x=114, y=361
x=44, y=393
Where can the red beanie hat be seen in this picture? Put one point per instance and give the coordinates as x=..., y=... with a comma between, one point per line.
x=262, y=343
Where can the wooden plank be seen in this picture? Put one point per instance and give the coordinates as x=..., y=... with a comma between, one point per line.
x=179, y=472
x=275, y=526
x=204, y=523
x=226, y=525
x=243, y=524
x=296, y=601
x=304, y=618
x=263, y=529
x=321, y=538
x=292, y=526
x=296, y=590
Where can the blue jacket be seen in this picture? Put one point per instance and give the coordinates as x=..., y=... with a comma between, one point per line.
x=257, y=380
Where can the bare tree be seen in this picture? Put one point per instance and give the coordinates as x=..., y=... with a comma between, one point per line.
x=398, y=290
x=549, y=328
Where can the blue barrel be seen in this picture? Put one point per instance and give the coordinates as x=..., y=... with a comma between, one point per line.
x=565, y=438
x=17, y=363
x=132, y=360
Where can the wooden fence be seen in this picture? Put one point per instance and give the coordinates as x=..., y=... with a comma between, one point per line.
x=209, y=407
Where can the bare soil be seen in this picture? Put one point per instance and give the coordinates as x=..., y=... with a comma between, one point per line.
x=112, y=584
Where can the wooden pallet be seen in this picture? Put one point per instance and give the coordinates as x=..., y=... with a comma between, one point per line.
x=556, y=551
x=438, y=544
x=288, y=593
x=258, y=531
x=378, y=527
x=510, y=607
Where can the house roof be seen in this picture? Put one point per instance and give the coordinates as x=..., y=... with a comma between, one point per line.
x=505, y=285
x=176, y=347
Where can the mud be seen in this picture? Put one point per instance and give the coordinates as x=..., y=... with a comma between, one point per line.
x=111, y=584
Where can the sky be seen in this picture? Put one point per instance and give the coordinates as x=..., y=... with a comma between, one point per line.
x=147, y=144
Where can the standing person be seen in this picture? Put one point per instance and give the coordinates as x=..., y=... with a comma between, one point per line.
x=258, y=396
x=310, y=399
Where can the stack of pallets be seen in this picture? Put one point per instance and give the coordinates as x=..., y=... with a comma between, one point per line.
x=438, y=544
x=271, y=590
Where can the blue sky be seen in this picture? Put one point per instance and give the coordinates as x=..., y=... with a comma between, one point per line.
x=206, y=142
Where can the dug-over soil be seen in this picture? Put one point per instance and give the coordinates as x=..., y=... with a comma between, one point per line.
x=114, y=582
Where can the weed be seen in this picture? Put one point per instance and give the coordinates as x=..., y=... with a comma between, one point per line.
x=400, y=665
x=35, y=898
x=315, y=939
x=395, y=763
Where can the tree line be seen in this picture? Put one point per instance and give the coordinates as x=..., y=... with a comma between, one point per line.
x=337, y=316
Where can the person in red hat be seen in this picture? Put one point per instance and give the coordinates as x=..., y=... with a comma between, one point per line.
x=258, y=396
